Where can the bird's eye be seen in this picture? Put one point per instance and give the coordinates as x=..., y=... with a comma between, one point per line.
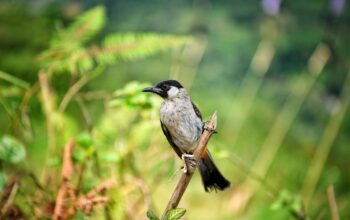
x=165, y=87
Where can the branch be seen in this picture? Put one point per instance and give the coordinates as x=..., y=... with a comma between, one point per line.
x=72, y=91
x=332, y=203
x=67, y=202
x=186, y=177
x=66, y=176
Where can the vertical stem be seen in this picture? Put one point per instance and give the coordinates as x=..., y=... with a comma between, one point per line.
x=325, y=144
x=281, y=126
x=48, y=108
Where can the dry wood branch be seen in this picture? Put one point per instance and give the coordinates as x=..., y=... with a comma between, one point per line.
x=11, y=193
x=67, y=167
x=87, y=202
x=101, y=188
x=67, y=201
x=66, y=175
x=186, y=177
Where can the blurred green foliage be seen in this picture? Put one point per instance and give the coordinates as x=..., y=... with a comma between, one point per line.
x=276, y=72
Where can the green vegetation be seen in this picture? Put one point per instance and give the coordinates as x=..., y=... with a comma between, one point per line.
x=79, y=140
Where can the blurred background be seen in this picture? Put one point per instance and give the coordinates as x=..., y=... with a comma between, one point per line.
x=71, y=72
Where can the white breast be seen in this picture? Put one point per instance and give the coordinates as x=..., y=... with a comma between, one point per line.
x=182, y=123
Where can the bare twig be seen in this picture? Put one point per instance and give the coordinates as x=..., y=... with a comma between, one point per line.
x=66, y=175
x=67, y=167
x=88, y=201
x=101, y=188
x=186, y=177
x=85, y=113
x=332, y=203
x=24, y=103
x=67, y=201
x=10, y=198
x=72, y=91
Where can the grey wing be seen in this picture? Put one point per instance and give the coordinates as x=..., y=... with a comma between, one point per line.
x=196, y=110
x=170, y=140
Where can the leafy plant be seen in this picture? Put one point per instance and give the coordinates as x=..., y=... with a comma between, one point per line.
x=173, y=214
x=11, y=150
x=74, y=52
x=71, y=52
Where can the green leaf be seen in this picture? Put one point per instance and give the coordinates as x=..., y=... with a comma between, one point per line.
x=11, y=150
x=67, y=52
x=54, y=161
x=175, y=214
x=79, y=155
x=85, y=140
x=131, y=46
x=287, y=200
x=14, y=80
x=83, y=29
x=79, y=215
x=280, y=202
x=151, y=215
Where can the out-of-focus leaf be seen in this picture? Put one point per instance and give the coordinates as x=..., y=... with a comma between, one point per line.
x=280, y=202
x=175, y=214
x=287, y=200
x=296, y=204
x=84, y=28
x=11, y=150
x=10, y=91
x=79, y=155
x=151, y=215
x=111, y=157
x=3, y=180
x=54, y=161
x=85, y=140
x=130, y=89
x=132, y=96
x=79, y=215
x=14, y=80
x=131, y=46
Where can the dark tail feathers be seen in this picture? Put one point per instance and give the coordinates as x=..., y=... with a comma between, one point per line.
x=211, y=176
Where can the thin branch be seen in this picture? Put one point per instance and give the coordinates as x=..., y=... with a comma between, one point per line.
x=85, y=113
x=24, y=103
x=72, y=91
x=10, y=198
x=110, y=183
x=332, y=203
x=66, y=175
x=186, y=177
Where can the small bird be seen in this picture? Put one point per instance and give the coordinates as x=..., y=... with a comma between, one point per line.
x=182, y=124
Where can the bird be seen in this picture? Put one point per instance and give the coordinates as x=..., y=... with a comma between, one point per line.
x=182, y=124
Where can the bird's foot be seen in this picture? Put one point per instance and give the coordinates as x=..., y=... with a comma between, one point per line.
x=189, y=163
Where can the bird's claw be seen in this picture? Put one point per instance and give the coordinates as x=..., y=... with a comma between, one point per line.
x=207, y=127
x=189, y=163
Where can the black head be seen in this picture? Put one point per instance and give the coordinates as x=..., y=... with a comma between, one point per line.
x=165, y=88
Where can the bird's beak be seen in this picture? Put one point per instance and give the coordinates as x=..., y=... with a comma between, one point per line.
x=153, y=90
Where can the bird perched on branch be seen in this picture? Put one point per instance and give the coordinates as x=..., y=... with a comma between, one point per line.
x=182, y=124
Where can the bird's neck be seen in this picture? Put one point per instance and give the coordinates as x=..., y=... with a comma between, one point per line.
x=181, y=96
